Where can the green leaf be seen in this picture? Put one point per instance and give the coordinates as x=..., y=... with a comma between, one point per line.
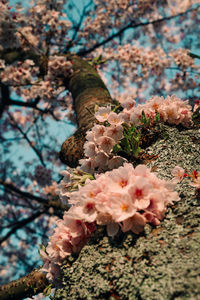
x=47, y=290
x=137, y=151
x=117, y=148
x=41, y=248
x=157, y=117
x=132, y=129
x=125, y=145
x=144, y=119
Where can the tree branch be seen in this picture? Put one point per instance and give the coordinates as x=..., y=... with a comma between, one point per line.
x=27, y=104
x=27, y=286
x=37, y=152
x=18, y=54
x=46, y=202
x=132, y=24
x=88, y=90
x=78, y=26
x=21, y=224
x=4, y=91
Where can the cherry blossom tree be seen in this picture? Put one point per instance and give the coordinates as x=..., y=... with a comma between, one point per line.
x=60, y=61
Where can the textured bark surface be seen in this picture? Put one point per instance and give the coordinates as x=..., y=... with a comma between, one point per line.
x=163, y=263
x=26, y=286
x=88, y=90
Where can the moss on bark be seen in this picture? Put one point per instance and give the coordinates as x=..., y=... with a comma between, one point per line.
x=163, y=263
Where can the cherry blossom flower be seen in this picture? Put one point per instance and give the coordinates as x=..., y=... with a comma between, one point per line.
x=106, y=143
x=98, y=131
x=128, y=103
x=103, y=113
x=87, y=165
x=101, y=160
x=90, y=149
x=140, y=191
x=122, y=198
x=121, y=207
x=114, y=119
x=115, y=162
x=178, y=173
x=115, y=132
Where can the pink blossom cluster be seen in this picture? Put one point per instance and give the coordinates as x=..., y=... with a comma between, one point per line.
x=184, y=82
x=8, y=33
x=182, y=59
x=52, y=19
x=45, y=89
x=46, y=19
x=58, y=65
x=20, y=118
x=101, y=140
x=51, y=189
x=70, y=235
x=172, y=110
x=152, y=62
x=116, y=13
x=179, y=173
x=42, y=175
x=20, y=73
x=98, y=148
x=105, y=18
x=52, y=97
x=124, y=198
x=178, y=6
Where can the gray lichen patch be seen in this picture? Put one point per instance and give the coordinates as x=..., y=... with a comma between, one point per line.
x=160, y=264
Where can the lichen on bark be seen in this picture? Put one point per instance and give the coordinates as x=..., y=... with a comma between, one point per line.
x=163, y=262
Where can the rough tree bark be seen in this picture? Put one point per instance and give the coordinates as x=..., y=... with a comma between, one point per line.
x=27, y=286
x=88, y=90
x=163, y=263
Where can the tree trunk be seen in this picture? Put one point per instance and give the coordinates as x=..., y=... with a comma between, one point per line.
x=88, y=90
x=163, y=263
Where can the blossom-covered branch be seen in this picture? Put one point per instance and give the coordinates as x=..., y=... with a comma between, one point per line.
x=88, y=90
x=132, y=24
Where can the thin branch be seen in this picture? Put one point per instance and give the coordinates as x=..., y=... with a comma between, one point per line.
x=27, y=104
x=4, y=92
x=46, y=202
x=70, y=44
x=181, y=70
x=132, y=24
x=28, y=140
x=21, y=224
